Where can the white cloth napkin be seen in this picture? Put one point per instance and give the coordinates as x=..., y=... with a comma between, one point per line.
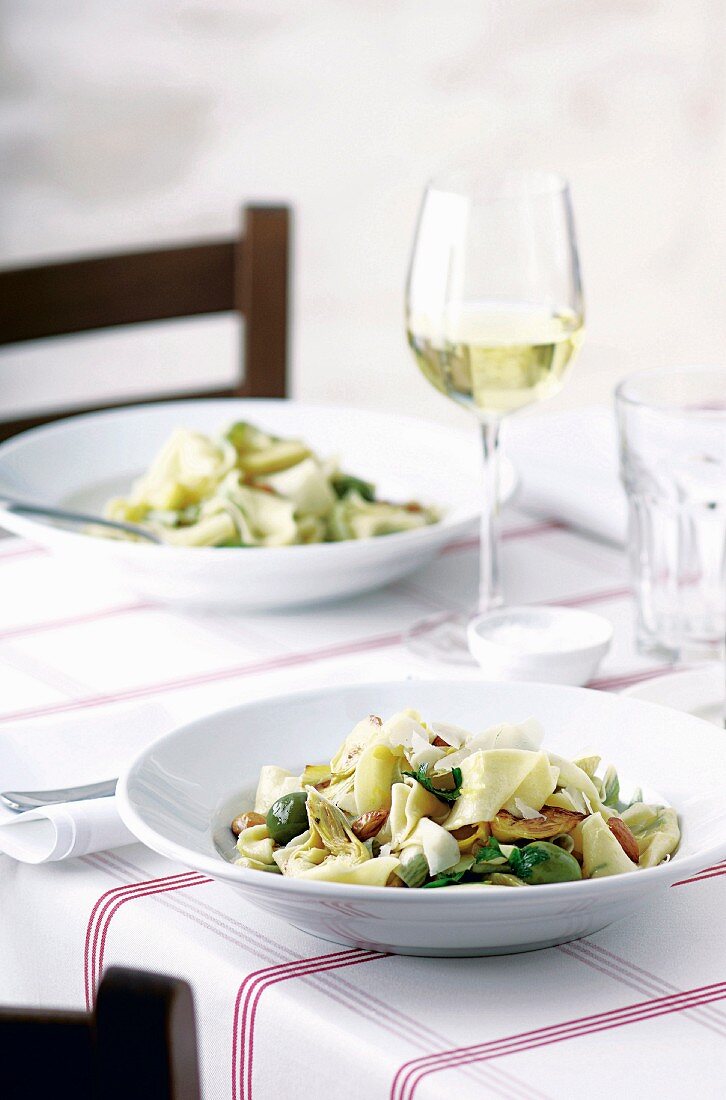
x=568, y=467
x=85, y=749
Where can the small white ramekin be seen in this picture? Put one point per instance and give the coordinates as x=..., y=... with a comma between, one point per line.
x=557, y=645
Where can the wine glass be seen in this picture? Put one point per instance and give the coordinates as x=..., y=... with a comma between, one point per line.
x=494, y=317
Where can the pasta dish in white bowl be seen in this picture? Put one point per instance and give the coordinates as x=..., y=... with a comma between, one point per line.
x=245, y=488
x=466, y=835
x=411, y=804
x=260, y=504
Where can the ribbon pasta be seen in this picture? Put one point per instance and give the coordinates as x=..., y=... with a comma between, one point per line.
x=247, y=488
x=399, y=805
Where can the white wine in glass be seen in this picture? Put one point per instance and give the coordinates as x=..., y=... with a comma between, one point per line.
x=494, y=317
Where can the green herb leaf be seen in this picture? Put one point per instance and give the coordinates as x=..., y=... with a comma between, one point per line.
x=491, y=850
x=346, y=483
x=611, y=786
x=421, y=776
x=445, y=878
x=522, y=860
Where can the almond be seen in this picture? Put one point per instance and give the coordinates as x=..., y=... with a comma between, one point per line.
x=367, y=825
x=244, y=821
x=440, y=743
x=624, y=837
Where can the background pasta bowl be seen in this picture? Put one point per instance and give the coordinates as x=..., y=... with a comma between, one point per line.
x=180, y=795
x=82, y=461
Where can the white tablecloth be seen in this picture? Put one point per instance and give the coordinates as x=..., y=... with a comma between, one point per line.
x=638, y=1008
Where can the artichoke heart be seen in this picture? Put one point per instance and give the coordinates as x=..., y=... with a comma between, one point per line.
x=333, y=852
x=589, y=764
x=340, y=792
x=329, y=836
x=471, y=838
x=362, y=734
x=353, y=517
x=333, y=829
x=315, y=775
x=553, y=822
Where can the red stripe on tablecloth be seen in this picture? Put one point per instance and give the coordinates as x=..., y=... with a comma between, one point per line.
x=88, y=950
x=621, y=970
x=144, y=605
x=106, y=907
x=22, y=552
x=584, y=599
x=542, y=528
x=603, y=596
x=533, y=1045
x=288, y=969
x=169, y=888
x=299, y=965
x=270, y=664
x=619, y=974
x=710, y=872
x=248, y=996
x=411, y=1073
x=100, y=913
x=342, y=992
x=118, y=897
x=74, y=620
x=625, y=679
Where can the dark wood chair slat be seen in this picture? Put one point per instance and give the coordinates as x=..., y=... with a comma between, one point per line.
x=248, y=275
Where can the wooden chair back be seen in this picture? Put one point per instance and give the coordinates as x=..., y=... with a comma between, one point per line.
x=140, y=1041
x=249, y=275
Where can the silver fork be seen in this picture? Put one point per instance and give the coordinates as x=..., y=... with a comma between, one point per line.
x=25, y=508
x=20, y=801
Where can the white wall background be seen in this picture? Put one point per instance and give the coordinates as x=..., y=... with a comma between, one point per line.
x=135, y=121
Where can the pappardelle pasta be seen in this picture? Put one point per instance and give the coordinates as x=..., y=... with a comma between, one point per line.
x=408, y=803
x=246, y=487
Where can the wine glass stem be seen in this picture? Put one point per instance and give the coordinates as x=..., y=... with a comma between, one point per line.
x=490, y=593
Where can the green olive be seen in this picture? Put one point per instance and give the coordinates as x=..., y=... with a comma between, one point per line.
x=550, y=864
x=287, y=817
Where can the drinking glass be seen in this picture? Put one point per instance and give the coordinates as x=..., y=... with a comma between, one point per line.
x=494, y=316
x=672, y=425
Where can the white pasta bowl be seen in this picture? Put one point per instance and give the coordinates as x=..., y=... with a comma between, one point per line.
x=82, y=461
x=181, y=794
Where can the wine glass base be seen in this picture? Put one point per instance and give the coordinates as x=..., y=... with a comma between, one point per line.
x=442, y=639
